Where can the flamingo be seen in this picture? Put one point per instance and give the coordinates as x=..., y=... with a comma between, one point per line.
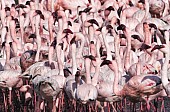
x=165, y=49
x=9, y=79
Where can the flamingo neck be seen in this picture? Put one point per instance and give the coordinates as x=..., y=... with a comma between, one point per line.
x=164, y=70
x=165, y=12
x=82, y=38
x=146, y=11
x=109, y=56
x=116, y=88
x=74, y=64
x=38, y=37
x=127, y=58
x=147, y=37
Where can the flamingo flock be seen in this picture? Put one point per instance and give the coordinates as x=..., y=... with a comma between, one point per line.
x=84, y=55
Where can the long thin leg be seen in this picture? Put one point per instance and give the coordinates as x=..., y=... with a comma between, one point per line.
x=5, y=102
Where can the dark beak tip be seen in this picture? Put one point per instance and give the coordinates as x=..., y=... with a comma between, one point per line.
x=67, y=31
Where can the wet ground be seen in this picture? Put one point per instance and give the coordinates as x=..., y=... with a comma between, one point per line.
x=20, y=105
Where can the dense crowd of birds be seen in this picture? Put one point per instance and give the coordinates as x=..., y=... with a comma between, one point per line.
x=84, y=52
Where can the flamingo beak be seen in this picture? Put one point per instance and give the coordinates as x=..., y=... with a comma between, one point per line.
x=152, y=25
x=67, y=31
x=137, y=37
x=77, y=74
x=80, y=12
x=54, y=43
x=90, y=57
x=62, y=45
x=7, y=9
x=130, y=4
x=76, y=20
x=22, y=6
x=42, y=17
x=110, y=8
x=162, y=31
x=55, y=14
x=105, y=62
x=145, y=46
x=99, y=29
x=87, y=9
x=91, y=42
x=70, y=11
x=141, y=1
x=3, y=44
x=157, y=47
x=69, y=23
x=93, y=21
x=122, y=36
x=32, y=36
x=38, y=12
x=119, y=11
x=121, y=27
x=109, y=27
x=73, y=40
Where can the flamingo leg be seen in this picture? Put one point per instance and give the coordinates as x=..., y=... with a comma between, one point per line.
x=54, y=106
x=162, y=106
x=5, y=102
x=42, y=105
x=114, y=109
x=10, y=93
x=134, y=107
x=108, y=106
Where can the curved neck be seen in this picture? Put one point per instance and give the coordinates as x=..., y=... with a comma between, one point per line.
x=117, y=54
x=73, y=54
x=82, y=38
x=116, y=88
x=127, y=57
x=38, y=37
x=109, y=56
x=148, y=36
x=164, y=70
x=146, y=11
x=165, y=12
x=59, y=60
